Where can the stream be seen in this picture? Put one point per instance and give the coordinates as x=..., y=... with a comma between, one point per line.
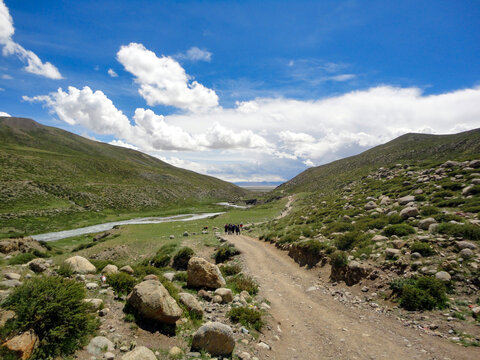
x=52, y=236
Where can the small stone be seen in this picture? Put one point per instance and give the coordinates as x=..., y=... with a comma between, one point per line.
x=12, y=276
x=127, y=269
x=466, y=253
x=109, y=356
x=264, y=346
x=99, y=344
x=244, y=356
x=110, y=269
x=91, y=286
x=225, y=293
x=175, y=351
x=476, y=312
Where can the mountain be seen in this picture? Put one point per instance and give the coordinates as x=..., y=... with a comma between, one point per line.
x=46, y=170
x=410, y=148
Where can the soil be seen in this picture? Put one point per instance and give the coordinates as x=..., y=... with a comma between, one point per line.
x=308, y=323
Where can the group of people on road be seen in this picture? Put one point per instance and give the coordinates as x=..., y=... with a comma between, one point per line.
x=232, y=229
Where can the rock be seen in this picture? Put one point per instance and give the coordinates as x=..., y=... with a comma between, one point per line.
x=110, y=269
x=91, y=286
x=466, y=245
x=391, y=253
x=215, y=338
x=370, y=205
x=38, y=265
x=406, y=199
x=466, y=253
x=415, y=255
x=433, y=228
x=475, y=181
x=96, y=303
x=379, y=238
x=217, y=299
x=398, y=244
x=264, y=346
x=469, y=190
x=191, y=303
x=23, y=345
x=80, y=265
x=244, y=356
x=6, y=315
x=99, y=344
x=169, y=276
x=127, y=269
x=186, y=233
x=172, y=237
x=385, y=200
x=425, y=223
x=108, y=356
x=10, y=283
x=409, y=211
x=225, y=293
x=152, y=301
x=476, y=312
x=140, y=353
x=475, y=164
x=201, y=273
x=245, y=295
x=175, y=351
x=150, y=277
x=204, y=295
x=12, y=276
x=353, y=273
x=443, y=275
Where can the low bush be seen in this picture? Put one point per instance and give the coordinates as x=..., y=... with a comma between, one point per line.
x=423, y=293
x=422, y=248
x=181, y=258
x=395, y=219
x=121, y=282
x=399, y=230
x=21, y=259
x=349, y=240
x=65, y=270
x=161, y=260
x=241, y=282
x=54, y=308
x=339, y=259
x=231, y=269
x=455, y=202
x=181, y=276
x=248, y=317
x=340, y=226
x=225, y=252
x=467, y=231
x=429, y=210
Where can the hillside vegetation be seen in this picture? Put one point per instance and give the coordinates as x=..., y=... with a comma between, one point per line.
x=52, y=174
x=408, y=148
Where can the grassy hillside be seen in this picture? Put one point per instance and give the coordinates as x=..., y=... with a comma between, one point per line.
x=48, y=173
x=410, y=148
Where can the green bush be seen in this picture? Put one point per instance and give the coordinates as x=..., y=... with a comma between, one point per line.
x=231, y=269
x=122, y=283
x=181, y=276
x=467, y=231
x=422, y=248
x=339, y=259
x=395, y=219
x=455, y=202
x=21, y=259
x=246, y=316
x=181, y=258
x=65, y=270
x=423, y=293
x=241, y=282
x=429, y=210
x=399, y=230
x=54, y=308
x=340, y=226
x=224, y=253
x=351, y=239
x=161, y=260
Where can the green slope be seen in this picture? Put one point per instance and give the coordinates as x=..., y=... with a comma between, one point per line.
x=45, y=171
x=410, y=148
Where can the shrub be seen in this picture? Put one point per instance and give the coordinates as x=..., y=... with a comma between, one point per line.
x=423, y=293
x=231, y=269
x=121, y=282
x=339, y=259
x=224, y=253
x=241, y=282
x=399, y=230
x=21, y=259
x=422, y=248
x=161, y=260
x=429, y=210
x=65, y=270
x=181, y=276
x=246, y=316
x=351, y=239
x=467, y=231
x=54, y=308
x=181, y=258
x=451, y=202
x=395, y=219
x=340, y=226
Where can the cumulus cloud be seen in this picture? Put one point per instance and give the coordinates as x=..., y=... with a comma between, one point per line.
x=112, y=73
x=163, y=81
x=2, y=113
x=123, y=144
x=10, y=47
x=195, y=54
x=341, y=77
x=7, y=77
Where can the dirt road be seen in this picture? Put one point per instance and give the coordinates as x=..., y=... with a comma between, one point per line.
x=312, y=325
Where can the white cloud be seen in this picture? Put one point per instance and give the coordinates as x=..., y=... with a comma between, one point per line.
x=34, y=64
x=112, y=73
x=7, y=77
x=195, y=54
x=342, y=77
x=2, y=113
x=163, y=81
x=123, y=144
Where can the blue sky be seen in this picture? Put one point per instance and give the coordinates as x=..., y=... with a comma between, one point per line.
x=246, y=90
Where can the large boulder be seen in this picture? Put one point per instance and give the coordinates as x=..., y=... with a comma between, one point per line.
x=215, y=338
x=443, y=276
x=153, y=302
x=140, y=353
x=80, y=265
x=406, y=199
x=409, y=211
x=99, y=344
x=191, y=303
x=38, y=265
x=392, y=253
x=425, y=223
x=110, y=269
x=370, y=205
x=127, y=269
x=23, y=345
x=466, y=245
x=201, y=273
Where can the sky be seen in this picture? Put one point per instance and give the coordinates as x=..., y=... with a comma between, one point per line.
x=243, y=90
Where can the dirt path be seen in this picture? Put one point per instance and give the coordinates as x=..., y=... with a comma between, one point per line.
x=312, y=325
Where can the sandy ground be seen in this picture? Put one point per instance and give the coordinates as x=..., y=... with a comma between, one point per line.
x=312, y=325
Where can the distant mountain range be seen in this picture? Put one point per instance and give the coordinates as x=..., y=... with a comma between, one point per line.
x=258, y=184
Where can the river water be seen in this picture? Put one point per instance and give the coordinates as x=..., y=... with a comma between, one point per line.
x=107, y=226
